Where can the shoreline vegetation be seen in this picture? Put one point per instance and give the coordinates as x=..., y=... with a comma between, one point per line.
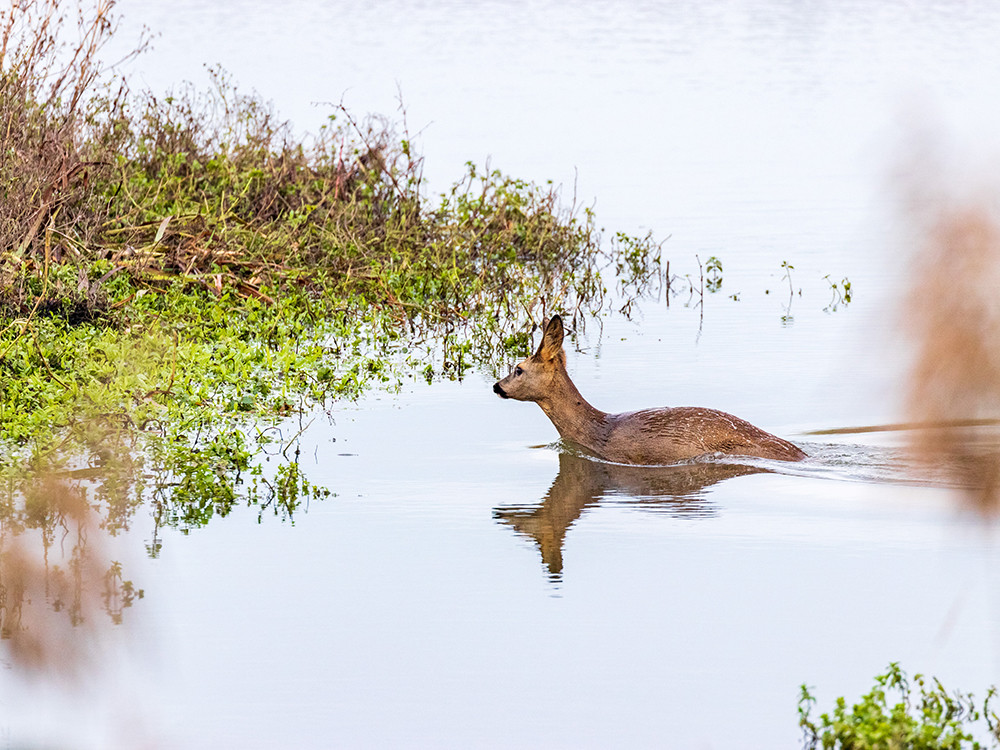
x=900, y=712
x=179, y=272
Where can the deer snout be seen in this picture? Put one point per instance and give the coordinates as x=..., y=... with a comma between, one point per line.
x=497, y=389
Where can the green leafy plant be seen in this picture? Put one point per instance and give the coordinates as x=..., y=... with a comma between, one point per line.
x=713, y=274
x=840, y=293
x=787, y=319
x=924, y=716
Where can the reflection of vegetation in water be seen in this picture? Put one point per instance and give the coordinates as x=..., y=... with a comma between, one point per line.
x=56, y=572
x=926, y=717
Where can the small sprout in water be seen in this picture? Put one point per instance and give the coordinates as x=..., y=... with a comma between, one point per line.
x=840, y=293
x=787, y=319
x=788, y=275
x=713, y=274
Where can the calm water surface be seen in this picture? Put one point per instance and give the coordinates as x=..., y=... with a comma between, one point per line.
x=467, y=588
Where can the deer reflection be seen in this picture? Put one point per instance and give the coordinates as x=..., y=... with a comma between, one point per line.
x=582, y=483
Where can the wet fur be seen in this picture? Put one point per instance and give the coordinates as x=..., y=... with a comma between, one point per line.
x=655, y=436
x=647, y=437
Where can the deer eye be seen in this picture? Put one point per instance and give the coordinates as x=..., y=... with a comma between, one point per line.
x=518, y=370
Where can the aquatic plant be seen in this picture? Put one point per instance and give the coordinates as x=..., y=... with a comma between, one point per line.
x=840, y=293
x=787, y=319
x=925, y=717
x=713, y=274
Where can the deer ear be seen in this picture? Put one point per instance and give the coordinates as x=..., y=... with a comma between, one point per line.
x=551, y=340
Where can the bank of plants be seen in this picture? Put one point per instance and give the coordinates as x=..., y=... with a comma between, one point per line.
x=904, y=714
x=181, y=272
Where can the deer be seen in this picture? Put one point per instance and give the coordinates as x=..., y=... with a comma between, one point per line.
x=649, y=437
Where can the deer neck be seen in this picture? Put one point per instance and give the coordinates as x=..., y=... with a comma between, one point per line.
x=573, y=417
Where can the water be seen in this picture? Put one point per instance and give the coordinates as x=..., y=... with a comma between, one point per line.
x=467, y=588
